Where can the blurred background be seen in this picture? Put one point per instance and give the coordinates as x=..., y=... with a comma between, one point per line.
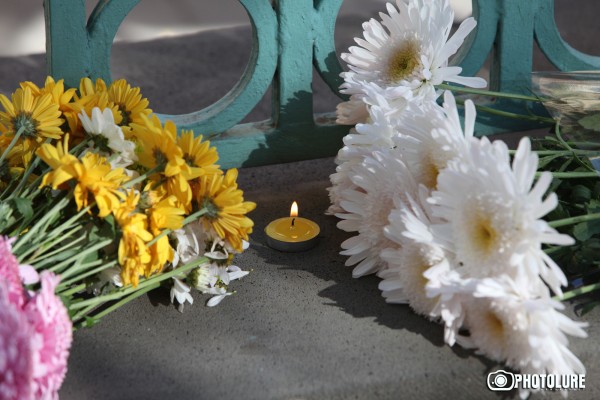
x=187, y=54
x=22, y=21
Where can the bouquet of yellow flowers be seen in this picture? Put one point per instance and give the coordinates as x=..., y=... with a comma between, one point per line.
x=96, y=189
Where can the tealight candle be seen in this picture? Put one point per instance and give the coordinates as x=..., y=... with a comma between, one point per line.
x=292, y=234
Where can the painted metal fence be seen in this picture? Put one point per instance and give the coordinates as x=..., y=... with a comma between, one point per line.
x=290, y=36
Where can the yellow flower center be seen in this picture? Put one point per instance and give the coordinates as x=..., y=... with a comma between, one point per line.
x=403, y=62
x=159, y=157
x=126, y=115
x=484, y=235
x=494, y=325
x=423, y=280
x=430, y=172
x=189, y=160
x=29, y=125
x=212, y=210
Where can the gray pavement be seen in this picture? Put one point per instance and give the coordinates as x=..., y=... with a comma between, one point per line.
x=299, y=327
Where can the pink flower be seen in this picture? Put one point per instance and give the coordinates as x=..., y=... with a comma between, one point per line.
x=9, y=271
x=35, y=332
x=16, y=353
x=51, y=340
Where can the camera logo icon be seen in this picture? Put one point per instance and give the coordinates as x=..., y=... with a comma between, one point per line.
x=501, y=381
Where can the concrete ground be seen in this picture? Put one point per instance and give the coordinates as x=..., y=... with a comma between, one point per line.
x=299, y=327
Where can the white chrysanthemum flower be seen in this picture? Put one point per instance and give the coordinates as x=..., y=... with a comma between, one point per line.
x=526, y=333
x=409, y=48
x=212, y=279
x=191, y=243
x=194, y=241
x=405, y=279
x=364, y=96
x=379, y=133
x=340, y=179
x=431, y=136
x=218, y=251
x=493, y=215
x=358, y=144
x=382, y=181
x=181, y=292
x=102, y=124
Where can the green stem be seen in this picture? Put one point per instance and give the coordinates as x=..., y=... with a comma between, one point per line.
x=71, y=291
x=87, y=272
x=143, y=284
x=507, y=114
x=587, y=153
x=39, y=254
x=574, y=220
x=58, y=230
x=28, y=172
x=12, y=144
x=568, y=147
x=79, y=256
x=75, y=150
x=514, y=96
x=121, y=303
x=571, y=175
x=143, y=177
x=26, y=238
x=577, y=292
x=78, y=266
x=82, y=313
x=190, y=218
x=8, y=190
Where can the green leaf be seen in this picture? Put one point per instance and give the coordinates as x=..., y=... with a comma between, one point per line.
x=544, y=161
x=587, y=307
x=593, y=206
x=554, y=185
x=90, y=321
x=581, y=194
x=102, y=229
x=591, y=122
x=24, y=206
x=586, y=230
x=6, y=217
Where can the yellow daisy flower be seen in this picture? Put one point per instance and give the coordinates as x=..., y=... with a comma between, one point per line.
x=57, y=90
x=133, y=254
x=130, y=203
x=226, y=208
x=13, y=165
x=198, y=154
x=158, y=147
x=19, y=156
x=129, y=102
x=60, y=160
x=179, y=187
x=94, y=175
x=163, y=215
x=38, y=117
x=88, y=88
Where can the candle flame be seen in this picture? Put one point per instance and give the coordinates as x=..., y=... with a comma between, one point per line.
x=294, y=210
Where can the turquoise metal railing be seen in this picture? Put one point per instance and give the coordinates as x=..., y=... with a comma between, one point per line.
x=289, y=38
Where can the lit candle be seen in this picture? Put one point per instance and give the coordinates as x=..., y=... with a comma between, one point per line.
x=292, y=234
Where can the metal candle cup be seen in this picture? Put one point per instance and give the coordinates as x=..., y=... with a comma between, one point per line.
x=292, y=234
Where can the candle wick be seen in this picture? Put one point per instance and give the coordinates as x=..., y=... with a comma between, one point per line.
x=293, y=221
